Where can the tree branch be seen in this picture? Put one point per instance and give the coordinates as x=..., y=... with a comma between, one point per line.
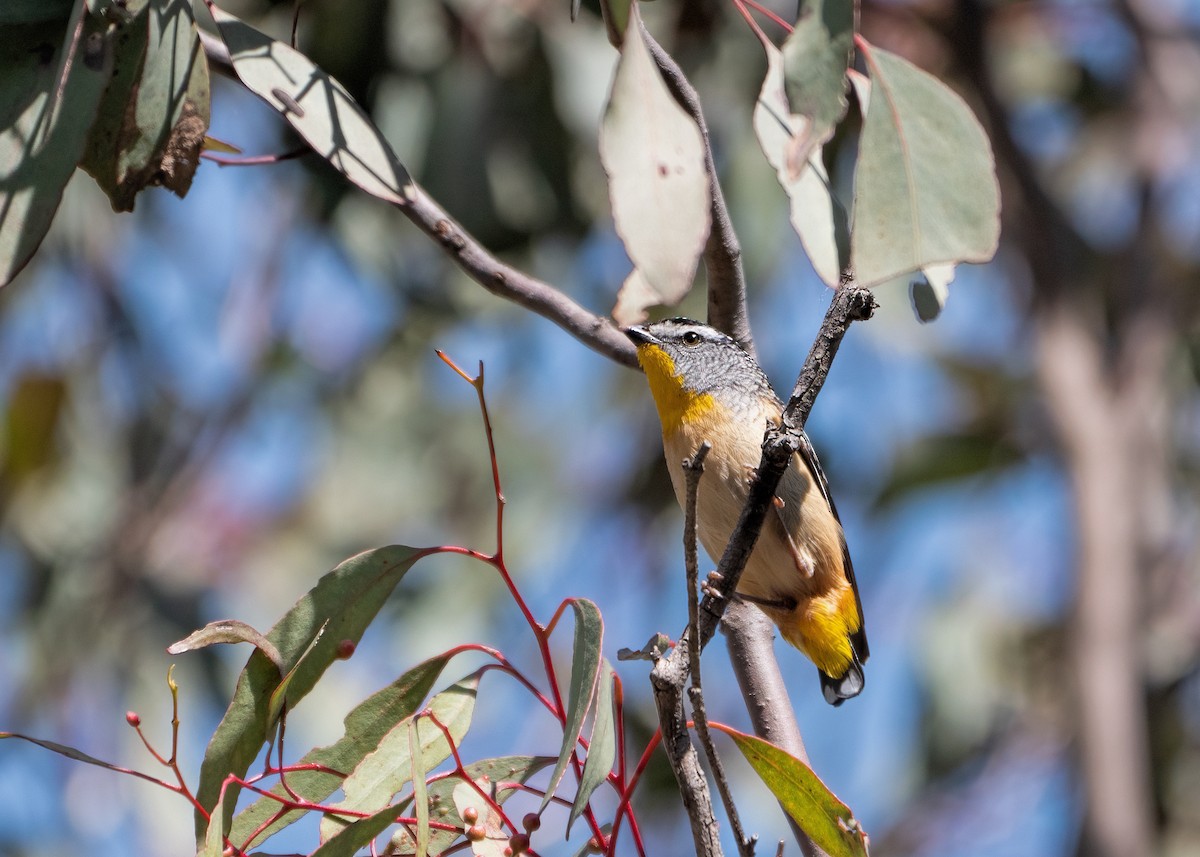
x=694, y=468
x=750, y=636
x=595, y=331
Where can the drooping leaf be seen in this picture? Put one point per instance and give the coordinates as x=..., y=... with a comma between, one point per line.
x=317, y=107
x=348, y=598
x=653, y=153
x=156, y=110
x=827, y=821
x=51, y=82
x=227, y=631
x=585, y=669
x=602, y=746
x=505, y=769
x=815, y=57
x=364, y=728
x=385, y=771
x=792, y=145
x=925, y=189
x=76, y=755
x=929, y=289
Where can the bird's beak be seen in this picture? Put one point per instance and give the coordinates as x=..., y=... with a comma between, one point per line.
x=640, y=335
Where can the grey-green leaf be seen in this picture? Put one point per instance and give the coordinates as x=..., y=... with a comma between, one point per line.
x=792, y=145
x=227, y=631
x=364, y=728
x=815, y=58
x=151, y=128
x=602, y=747
x=585, y=668
x=317, y=107
x=348, y=598
x=925, y=189
x=51, y=83
x=383, y=772
x=505, y=769
x=653, y=153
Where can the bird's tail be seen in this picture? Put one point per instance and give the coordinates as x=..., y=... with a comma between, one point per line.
x=846, y=686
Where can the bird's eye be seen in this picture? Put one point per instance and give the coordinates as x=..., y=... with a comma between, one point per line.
x=690, y=338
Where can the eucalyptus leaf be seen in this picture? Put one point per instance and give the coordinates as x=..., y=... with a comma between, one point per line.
x=653, y=152
x=384, y=771
x=347, y=598
x=317, y=107
x=827, y=821
x=227, y=631
x=156, y=109
x=364, y=728
x=585, y=668
x=925, y=184
x=602, y=746
x=52, y=79
x=792, y=144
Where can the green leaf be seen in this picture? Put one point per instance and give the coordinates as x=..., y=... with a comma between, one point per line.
x=348, y=598
x=585, y=668
x=925, y=183
x=602, y=746
x=317, y=107
x=51, y=82
x=227, y=631
x=214, y=837
x=653, y=153
x=827, y=821
x=505, y=769
x=385, y=771
x=354, y=837
x=77, y=755
x=364, y=728
x=792, y=145
x=815, y=58
x=151, y=127
x=420, y=796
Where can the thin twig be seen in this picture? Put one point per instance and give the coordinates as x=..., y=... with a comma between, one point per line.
x=693, y=469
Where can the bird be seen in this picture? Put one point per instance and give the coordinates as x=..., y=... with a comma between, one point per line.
x=706, y=387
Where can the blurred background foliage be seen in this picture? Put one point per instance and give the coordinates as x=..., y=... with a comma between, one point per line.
x=211, y=401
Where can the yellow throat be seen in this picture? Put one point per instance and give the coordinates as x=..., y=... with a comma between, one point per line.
x=677, y=405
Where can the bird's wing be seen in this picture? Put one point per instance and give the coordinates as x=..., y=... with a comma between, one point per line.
x=809, y=456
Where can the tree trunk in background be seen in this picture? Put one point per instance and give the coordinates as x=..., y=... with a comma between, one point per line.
x=1101, y=429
